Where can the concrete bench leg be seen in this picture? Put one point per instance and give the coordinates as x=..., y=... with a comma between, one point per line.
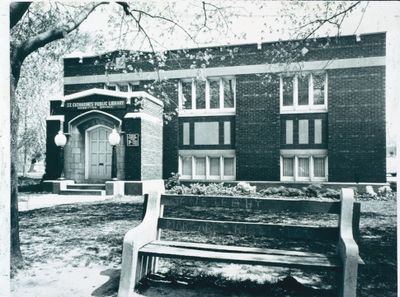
x=134, y=266
x=128, y=270
x=348, y=282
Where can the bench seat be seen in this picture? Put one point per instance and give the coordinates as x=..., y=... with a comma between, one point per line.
x=239, y=255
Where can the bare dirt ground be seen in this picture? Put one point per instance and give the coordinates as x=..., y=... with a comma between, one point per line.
x=75, y=250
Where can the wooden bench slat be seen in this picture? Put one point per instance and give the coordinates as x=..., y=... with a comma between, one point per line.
x=250, y=203
x=238, y=249
x=328, y=262
x=241, y=249
x=248, y=228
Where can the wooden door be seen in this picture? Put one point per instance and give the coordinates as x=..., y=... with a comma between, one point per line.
x=100, y=153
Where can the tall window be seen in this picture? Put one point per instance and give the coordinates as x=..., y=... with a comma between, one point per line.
x=319, y=82
x=289, y=132
x=304, y=92
x=287, y=83
x=302, y=89
x=319, y=167
x=288, y=167
x=229, y=166
x=229, y=92
x=200, y=94
x=213, y=94
x=186, y=166
x=186, y=133
x=303, y=131
x=200, y=167
x=227, y=132
x=318, y=131
x=186, y=95
x=303, y=167
x=214, y=166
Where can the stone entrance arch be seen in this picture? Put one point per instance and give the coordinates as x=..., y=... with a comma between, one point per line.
x=88, y=153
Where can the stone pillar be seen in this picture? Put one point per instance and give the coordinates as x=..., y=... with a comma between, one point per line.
x=132, y=126
x=52, y=128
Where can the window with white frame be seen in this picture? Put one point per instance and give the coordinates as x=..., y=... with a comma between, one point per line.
x=289, y=131
x=303, y=131
x=317, y=131
x=206, y=133
x=207, y=166
x=304, y=166
x=214, y=94
x=304, y=92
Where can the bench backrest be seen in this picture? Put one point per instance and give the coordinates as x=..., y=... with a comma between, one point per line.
x=267, y=205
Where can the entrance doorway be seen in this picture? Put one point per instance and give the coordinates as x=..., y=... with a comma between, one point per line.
x=98, y=153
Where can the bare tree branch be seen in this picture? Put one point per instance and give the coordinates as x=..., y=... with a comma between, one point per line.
x=48, y=36
x=321, y=22
x=128, y=11
x=17, y=10
x=205, y=14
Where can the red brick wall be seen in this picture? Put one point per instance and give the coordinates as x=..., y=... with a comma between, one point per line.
x=319, y=49
x=257, y=128
x=356, y=125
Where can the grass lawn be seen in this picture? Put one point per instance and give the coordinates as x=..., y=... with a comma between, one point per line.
x=75, y=250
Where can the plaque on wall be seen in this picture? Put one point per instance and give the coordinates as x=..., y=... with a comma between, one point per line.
x=132, y=139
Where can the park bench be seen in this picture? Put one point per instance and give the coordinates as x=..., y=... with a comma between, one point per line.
x=144, y=244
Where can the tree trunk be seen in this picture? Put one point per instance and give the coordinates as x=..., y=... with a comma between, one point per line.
x=25, y=148
x=16, y=255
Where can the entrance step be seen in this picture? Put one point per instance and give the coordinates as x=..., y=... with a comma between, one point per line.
x=86, y=187
x=83, y=192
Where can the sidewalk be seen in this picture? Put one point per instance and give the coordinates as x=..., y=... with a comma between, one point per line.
x=29, y=201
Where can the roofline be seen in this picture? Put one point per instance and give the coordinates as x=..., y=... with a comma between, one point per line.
x=92, y=55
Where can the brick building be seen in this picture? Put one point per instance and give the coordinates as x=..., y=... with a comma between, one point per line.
x=292, y=111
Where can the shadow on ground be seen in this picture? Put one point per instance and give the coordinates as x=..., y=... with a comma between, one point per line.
x=166, y=285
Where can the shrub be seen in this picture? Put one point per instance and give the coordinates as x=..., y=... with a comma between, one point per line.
x=269, y=191
x=245, y=188
x=331, y=193
x=313, y=190
x=182, y=189
x=282, y=191
x=172, y=181
x=197, y=189
x=220, y=189
x=294, y=192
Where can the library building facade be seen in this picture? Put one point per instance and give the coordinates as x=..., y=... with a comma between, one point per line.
x=289, y=112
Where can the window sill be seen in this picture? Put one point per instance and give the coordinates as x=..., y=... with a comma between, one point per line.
x=303, y=179
x=206, y=112
x=314, y=109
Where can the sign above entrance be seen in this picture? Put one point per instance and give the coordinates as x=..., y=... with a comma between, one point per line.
x=99, y=104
